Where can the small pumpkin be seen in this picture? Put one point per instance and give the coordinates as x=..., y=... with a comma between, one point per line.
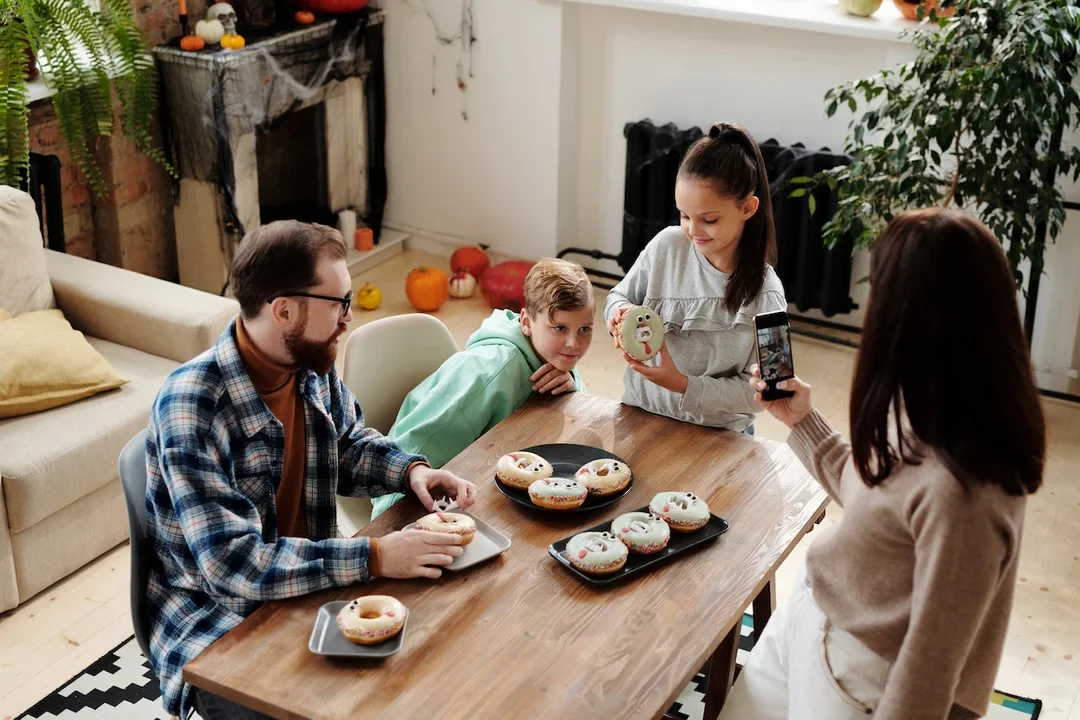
x=210, y=30
x=427, y=288
x=503, y=286
x=192, y=43
x=368, y=297
x=462, y=285
x=471, y=259
x=232, y=42
x=304, y=17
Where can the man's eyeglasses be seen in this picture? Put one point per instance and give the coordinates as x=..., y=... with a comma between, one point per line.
x=345, y=302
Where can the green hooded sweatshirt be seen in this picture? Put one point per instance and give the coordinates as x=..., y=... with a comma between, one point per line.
x=469, y=394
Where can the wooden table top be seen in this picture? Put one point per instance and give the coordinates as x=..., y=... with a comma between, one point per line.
x=519, y=635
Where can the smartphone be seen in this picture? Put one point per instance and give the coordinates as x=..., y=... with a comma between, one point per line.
x=774, y=353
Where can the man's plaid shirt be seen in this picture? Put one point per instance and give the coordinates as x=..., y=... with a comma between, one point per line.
x=214, y=458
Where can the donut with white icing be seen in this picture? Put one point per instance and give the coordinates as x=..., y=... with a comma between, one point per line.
x=558, y=493
x=604, y=476
x=521, y=469
x=372, y=619
x=640, y=333
x=641, y=532
x=683, y=511
x=596, y=553
x=449, y=523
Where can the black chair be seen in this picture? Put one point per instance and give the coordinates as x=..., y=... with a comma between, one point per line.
x=133, y=478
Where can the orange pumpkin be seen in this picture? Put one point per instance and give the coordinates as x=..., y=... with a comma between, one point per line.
x=303, y=17
x=232, y=42
x=427, y=288
x=192, y=43
x=471, y=259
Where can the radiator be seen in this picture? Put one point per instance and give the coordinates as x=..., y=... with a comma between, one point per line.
x=813, y=276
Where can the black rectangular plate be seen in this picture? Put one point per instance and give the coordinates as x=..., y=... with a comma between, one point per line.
x=680, y=544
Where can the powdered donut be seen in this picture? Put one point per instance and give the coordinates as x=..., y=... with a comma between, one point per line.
x=604, y=477
x=641, y=532
x=683, y=511
x=640, y=333
x=558, y=493
x=596, y=553
x=451, y=523
x=521, y=469
x=371, y=619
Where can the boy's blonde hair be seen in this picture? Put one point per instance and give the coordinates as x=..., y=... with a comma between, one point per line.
x=553, y=285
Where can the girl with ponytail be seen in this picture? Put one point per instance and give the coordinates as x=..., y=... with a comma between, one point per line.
x=706, y=279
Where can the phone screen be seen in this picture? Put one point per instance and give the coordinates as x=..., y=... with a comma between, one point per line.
x=774, y=353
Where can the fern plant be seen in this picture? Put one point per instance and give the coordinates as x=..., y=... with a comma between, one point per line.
x=975, y=121
x=79, y=48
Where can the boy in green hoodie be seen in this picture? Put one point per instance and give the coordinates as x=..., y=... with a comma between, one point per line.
x=503, y=363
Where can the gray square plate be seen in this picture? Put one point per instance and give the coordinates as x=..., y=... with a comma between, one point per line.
x=326, y=638
x=486, y=544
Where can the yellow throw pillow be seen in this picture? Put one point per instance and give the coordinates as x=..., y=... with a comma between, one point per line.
x=45, y=363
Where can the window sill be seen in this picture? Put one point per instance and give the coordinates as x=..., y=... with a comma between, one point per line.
x=820, y=16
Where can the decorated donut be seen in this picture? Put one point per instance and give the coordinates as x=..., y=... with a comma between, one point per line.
x=596, y=553
x=683, y=511
x=604, y=477
x=521, y=469
x=450, y=523
x=371, y=619
x=558, y=493
x=640, y=333
x=642, y=532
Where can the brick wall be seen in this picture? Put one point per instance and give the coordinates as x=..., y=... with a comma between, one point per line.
x=131, y=226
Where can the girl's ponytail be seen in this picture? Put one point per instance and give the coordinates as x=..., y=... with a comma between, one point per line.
x=730, y=160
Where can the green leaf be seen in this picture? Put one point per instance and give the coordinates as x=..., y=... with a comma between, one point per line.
x=81, y=45
x=797, y=193
x=812, y=201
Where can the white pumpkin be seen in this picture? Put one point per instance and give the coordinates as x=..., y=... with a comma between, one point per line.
x=462, y=285
x=210, y=30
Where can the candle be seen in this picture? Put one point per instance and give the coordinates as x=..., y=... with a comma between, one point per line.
x=183, y=7
x=347, y=224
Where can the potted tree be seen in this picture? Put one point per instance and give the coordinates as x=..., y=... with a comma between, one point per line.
x=82, y=51
x=975, y=121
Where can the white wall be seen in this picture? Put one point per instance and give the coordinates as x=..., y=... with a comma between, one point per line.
x=668, y=68
x=540, y=164
x=493, y=178
x=634, y=65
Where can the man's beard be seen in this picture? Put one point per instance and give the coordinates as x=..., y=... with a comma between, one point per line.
x=319, y=356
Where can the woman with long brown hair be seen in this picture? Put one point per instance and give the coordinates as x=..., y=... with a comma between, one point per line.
x=902, y=611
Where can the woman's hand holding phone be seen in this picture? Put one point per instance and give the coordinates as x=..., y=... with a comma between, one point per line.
x=790, y=410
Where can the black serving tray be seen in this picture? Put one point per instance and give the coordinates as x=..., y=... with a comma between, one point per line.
x=566, y=459
x=680, y=544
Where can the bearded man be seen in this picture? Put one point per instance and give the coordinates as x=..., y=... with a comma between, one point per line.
x=249, y=444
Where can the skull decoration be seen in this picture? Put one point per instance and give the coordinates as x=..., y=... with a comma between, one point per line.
x=224, y=13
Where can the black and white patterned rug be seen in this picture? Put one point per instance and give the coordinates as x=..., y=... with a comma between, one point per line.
x=121, y=686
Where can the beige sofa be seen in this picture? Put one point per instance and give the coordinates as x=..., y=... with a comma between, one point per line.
x=61, y=504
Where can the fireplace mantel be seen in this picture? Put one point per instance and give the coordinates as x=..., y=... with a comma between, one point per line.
x=218, y=104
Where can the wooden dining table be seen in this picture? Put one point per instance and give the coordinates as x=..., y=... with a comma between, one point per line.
x=520, y=636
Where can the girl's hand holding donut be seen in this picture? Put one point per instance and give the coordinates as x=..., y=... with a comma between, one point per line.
x=666, y=375
x=617, y=318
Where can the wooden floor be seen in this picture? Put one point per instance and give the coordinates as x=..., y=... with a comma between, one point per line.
x=53, y=636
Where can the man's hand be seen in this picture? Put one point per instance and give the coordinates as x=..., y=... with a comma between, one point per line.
x=551, y=379
x=423, y=479
x=409, y=553
x=666, y=375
